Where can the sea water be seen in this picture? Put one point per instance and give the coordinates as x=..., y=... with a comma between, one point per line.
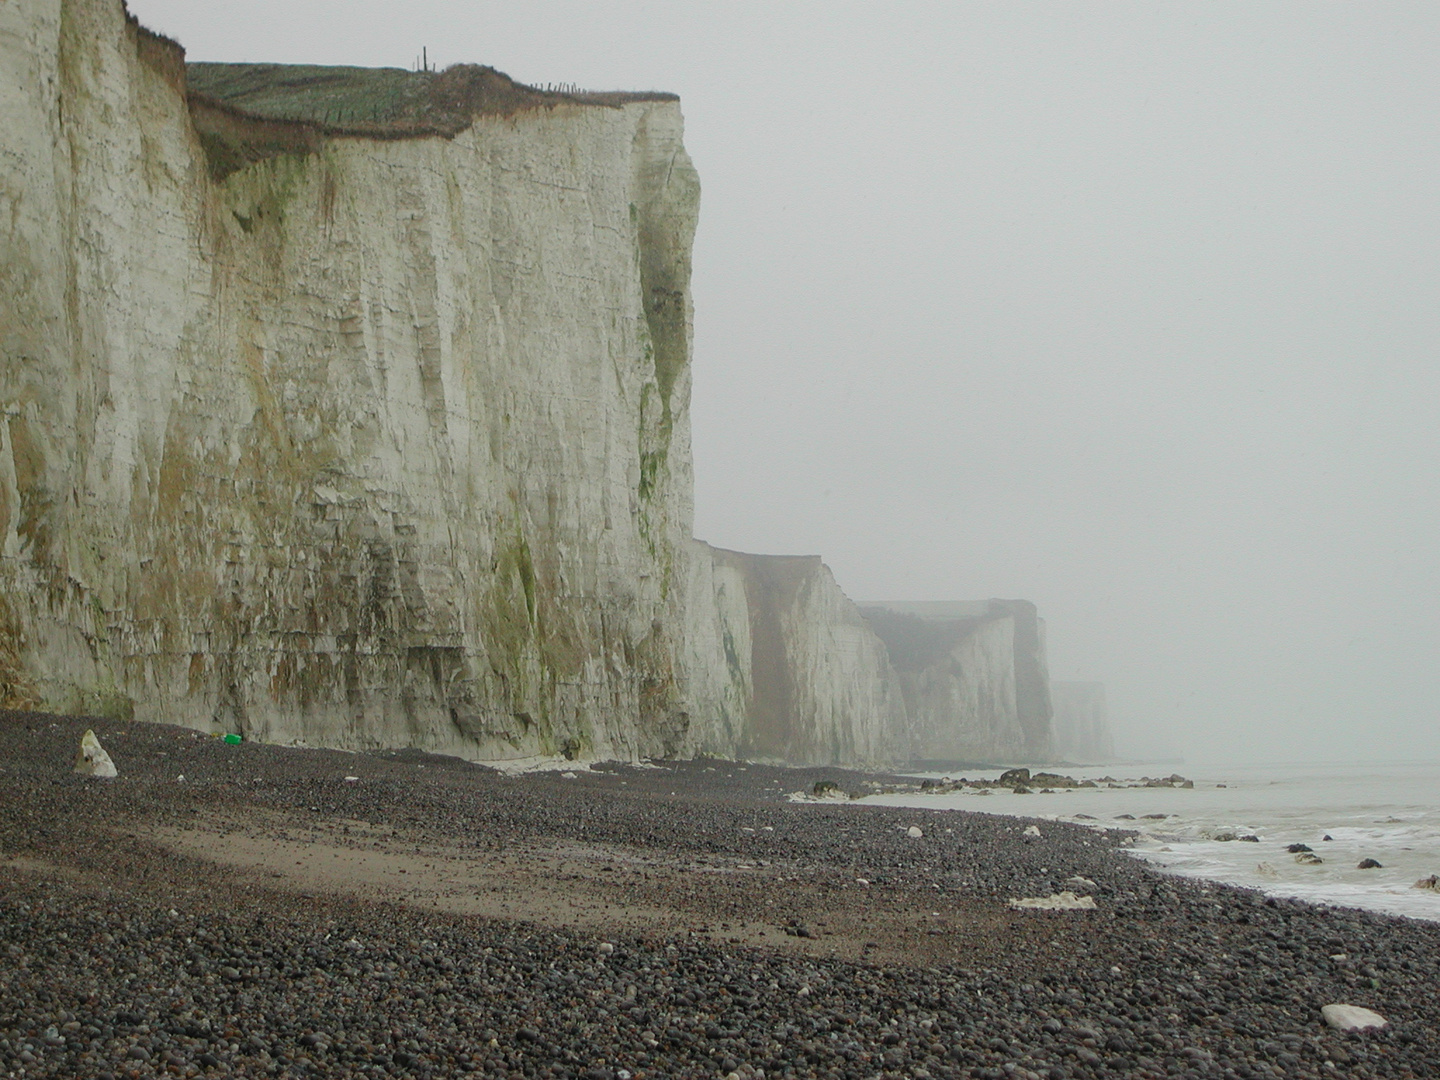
x=1345, y=813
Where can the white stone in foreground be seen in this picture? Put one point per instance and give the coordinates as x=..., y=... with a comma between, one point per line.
x=1065, y=901
x=1352, y=1018
x=93, y=760
x=914, y=832
x=1032, y=830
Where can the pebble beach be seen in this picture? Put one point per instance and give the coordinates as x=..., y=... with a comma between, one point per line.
x=247, y=910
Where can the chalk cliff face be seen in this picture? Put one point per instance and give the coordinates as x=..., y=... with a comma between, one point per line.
x=351, y=407
x=807, y=676
x=1082, y=722
x=374, y=440
x=973, y=677
x=803, y=678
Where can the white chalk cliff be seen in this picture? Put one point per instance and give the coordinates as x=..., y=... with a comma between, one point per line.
x=1082, y=722
x=794, y=669
x=973, y=678
x=352, y=408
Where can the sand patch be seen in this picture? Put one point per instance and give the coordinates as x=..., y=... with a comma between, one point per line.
x=599, y=888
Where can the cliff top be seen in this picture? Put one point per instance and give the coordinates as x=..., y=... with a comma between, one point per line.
x=934, y=610
x=915, y=642
x=380, y=101
x=245, y=113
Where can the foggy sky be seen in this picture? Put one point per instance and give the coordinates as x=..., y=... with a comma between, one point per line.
x=1128, y=309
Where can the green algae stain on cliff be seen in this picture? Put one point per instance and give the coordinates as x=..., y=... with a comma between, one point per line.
x=260, y=199
x=650, y=465
x=102, y=701
x=34, y=526
x=525, y=566
x=508, y=618
x=17, y=689
x=665, y=313
x=654, y=446
x=533, y=647
x=664, y=220
x=653, y=452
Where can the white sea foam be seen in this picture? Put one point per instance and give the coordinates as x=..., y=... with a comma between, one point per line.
x=1388, y=813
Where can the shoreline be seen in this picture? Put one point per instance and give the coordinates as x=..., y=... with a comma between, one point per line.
x=1381, y=857
x=447, y=919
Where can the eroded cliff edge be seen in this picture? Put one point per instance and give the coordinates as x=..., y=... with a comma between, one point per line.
x=351, y=407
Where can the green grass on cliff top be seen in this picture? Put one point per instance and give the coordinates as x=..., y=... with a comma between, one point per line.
x=380, y=100
x=320, y=95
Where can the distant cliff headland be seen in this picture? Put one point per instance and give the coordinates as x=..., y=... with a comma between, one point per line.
x=351, y=407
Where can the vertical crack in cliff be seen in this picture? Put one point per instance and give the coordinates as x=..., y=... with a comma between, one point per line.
x=772, y=585
x=664, y=216
x=665, y=230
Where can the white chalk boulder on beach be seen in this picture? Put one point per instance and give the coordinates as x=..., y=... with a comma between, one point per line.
x=914, y=832
x=1352, y=1018
x=1078, y=882
x=93, y=760
x=1032, y=830
x=1065, y=901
